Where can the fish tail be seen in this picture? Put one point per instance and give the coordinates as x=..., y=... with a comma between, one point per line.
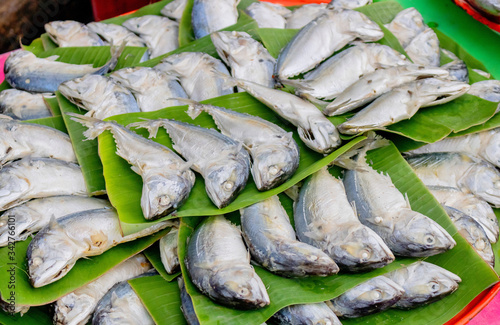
x=194, y=108
x=151, y=125
x=116, y=51
x=95, y=126
x=229, y=81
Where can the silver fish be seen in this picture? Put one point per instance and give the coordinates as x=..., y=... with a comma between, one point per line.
x=152, y=88
x=116, y=34
x=348, y=4
x=196, y=72
x=247, y=58
x=317, y=314
x=334, y=75
x=174, y=9
x=374, y=295
x=303, y=15
x=268, y=15
x=168, y=251
x=23, y=105
x=222, y=162
x=33, y=215
x=423, y=283
x=31, y=178
x=56, y=248
x=275, y=154
x=66, y=33
x=486, y=89
x=187, y=307
x=209, y=16
x=407, y=25
x=383, y=208
x=322, y=37
x=402, y=103
x=167, y=180
x=77, y=307
x=424, y=49
x=219, y=265
x=160, y=34
x=468, y=173
x=457, y=68
x=23, y=70
x=377, y=83
x=473, y=233
x=37, y=141
x=100, y=96
x=272, y=242
x=325, y=219
x=469, y=204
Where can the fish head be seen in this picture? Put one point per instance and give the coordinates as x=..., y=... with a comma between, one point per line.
x=232, y=44
x=182, y=64
x=62, y=29
x=440, y=91
x=491, y=151
x=383, y=55
x=82, y=89
x=484, y=181
x=12, y=188
x=131, y=76
x=22, y=219
x=74, y=309
x=140, y=24
x=322, y=136
x=376, y=292
x=362, y=27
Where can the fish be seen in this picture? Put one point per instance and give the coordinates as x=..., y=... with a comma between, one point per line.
x=77, y=307
x=24, y=71
x=268, y=15
x=407, y=25
x=303, y=15
x=152, y=88
x=208, y=16
x=272, y=242
x=457, y=68
x=221, y=161
x=116, y=34
x=333, y=76
x=469, y=204
x=56, y=248
x=473, y=233
x=22, y=105
x=168, y=251
x=68, y=33
x=31, y=178
x=219, y=266
x=383, y=208
x=322, y=37
x=121, y=305
x=377, y=83
x=486, y=89
x=318, y=313
x=402, y=103
x=424, y=49
x=20, y=140
x=175, y=9
x=372, y=296
x=247, y=58
x=167, y=179
x=100, y=96
x=348, y=4
x=274, y=152
x=314, y=129
x=160, y=34
x=324, y=218
x=196, y=73
x=423, y=283
x=459, y=170
x=30, y=217
x=187, y=307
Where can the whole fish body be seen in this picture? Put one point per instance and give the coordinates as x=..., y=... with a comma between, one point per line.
x=321, y=38
x=116, y=34
x=152, y=88
x=220, y=160
x=34, y=215
x=168, y=251
x=100, y=96
x=66, y=33
x=219, y=265
x=209, y=16
x=486, y=89
x=167, y=181
x=77, y=307
x=407, y=25
x=175, y=9
x=423, y=283
x=374, y=295
x=272, y=242
x=377, y=83
x=31, y=178
x=325, y=219
x=303, y=15
x=23, y=70
x=383, y=208
x=402, y=103
x=318, y=313
x=196, y=72
x=160, y=34
x=187, y=307
x=424, y=48
x=21, y=140
x=22, y=105
x=247, y=58
x=268, y=15
x=56, y=248
x=459, y=170
x=275, y=154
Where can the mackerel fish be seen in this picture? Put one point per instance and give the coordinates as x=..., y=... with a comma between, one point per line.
x=68, y=33
x=116, y=34
x=317, y=314
x=424, y=49
x=174, y=9
x=268, y=15
x=209, y=16
x=407, y=25
x=187, y=307
x=22, y=105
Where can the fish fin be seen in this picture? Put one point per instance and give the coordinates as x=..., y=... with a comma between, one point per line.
x=353, y=205
x=296, y=83
x=95, y=126
x=136, y=170
x=194, y=107
x=229, y=81
x=116, y=51
x=151, y=125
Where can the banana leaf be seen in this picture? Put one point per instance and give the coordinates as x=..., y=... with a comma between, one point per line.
x=55, y=122
x=186, y=34
x=47, y=42
x=53, y=105
x=153, y=256
x=152, y=9
x=35, y=316
x=496, y=246
x=124, y=187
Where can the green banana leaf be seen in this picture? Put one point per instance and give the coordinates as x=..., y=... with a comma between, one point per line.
x=35, y=316
x=47, y=42
x=124, y=187
x=186, y=34
x=153, y=256
x=53, y=105
x=55, y=122
x=496, y=246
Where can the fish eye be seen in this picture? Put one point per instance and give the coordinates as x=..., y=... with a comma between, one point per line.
x=429, y=239
x=37, y=261
x=164, y=200
x=228, y=185
x=273, y=170
x=244, y=291
x=365, y=254
x=434, y=286
x=376, y=294
x=480, y=244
